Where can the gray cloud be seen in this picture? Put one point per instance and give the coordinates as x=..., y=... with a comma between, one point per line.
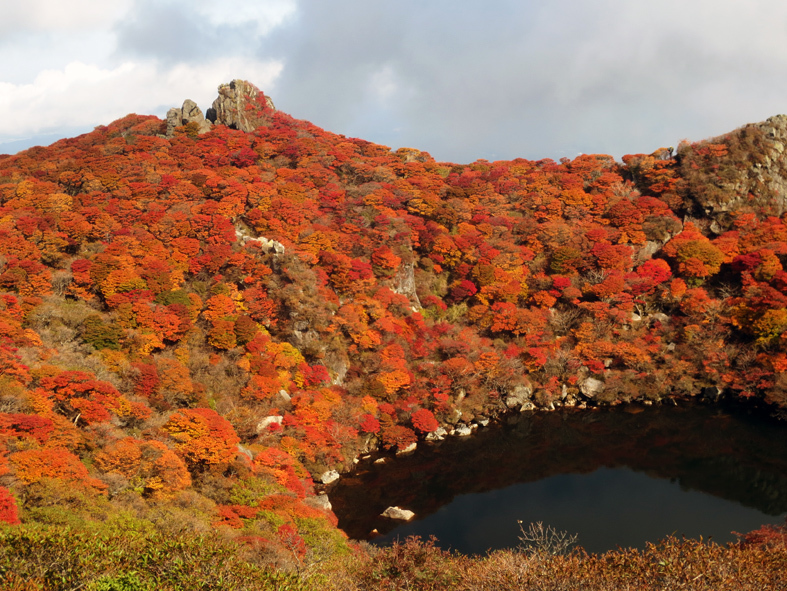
x=531, y=79
x=493, y=79
x=166, y=31
x=190, y=32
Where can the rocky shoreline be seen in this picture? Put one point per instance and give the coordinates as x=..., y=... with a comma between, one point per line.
x=373, y=453
x=730, y=462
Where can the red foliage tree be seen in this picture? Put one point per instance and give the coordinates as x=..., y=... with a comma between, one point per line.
x=22, y=425
x=8, y=510
x=369, y=424
x=424, y=421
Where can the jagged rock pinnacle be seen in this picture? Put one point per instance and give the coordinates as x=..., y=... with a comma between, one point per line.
x=240, y=105
x=188, y=113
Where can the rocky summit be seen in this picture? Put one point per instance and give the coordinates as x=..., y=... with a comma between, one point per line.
x=240, y=105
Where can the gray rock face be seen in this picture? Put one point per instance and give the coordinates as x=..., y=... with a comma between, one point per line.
x=191, y=112
x=647, y=250
x=763, y=174
x=241, y=105
x=268, y=421
x=188, y=113
x=320, y=502
x=174, y=119
x=775, y=176
x=337, y=363
x=404, y=284
x=245, y=451
x=267, y=244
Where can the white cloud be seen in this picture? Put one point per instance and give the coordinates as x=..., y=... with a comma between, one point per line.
x=87, y=95
x=266, y=15
x=532, y=78
x=60, y=15
x=383, y=84
x=507, y=77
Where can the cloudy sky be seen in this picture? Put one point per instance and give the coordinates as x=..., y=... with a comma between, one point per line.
x=496, y=79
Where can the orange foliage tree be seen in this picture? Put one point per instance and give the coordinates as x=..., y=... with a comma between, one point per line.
x=203, y=438
x=147, y=464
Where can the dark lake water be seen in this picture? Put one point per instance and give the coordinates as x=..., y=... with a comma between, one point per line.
x=617, y=477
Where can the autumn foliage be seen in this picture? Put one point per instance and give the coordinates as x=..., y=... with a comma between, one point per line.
x=225, y=315
x=203, y=437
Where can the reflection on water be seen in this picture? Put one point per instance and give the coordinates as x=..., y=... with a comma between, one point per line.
x=613, y=477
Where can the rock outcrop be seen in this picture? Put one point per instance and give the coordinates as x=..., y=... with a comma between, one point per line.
x=404, y=284
x=268, y=421
x=188, y=113
x=240, y=105
x=749, y=174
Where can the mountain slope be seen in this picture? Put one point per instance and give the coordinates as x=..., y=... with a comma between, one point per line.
x=197, y=320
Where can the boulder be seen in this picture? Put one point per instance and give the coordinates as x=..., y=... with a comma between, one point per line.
x=267, y=245
x=192, y=113
x=437, y=435
x=462, y=430
x=407, y=449
x=397, y=513
x=591, y=387
x=647, y=250
x=660, y=317
x=174, y=117
x=188, y=113
x=518, y=396
x=329, y=476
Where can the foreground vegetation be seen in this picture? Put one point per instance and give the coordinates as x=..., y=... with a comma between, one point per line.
x=112, y=558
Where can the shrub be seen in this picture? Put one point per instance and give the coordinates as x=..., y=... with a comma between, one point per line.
x=424, y=421
x=538, y=539
x=414, y=565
